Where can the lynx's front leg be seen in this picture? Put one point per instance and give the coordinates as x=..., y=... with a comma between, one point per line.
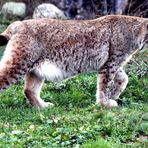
x=110, y=85
x=103, y=93
x=33, y=85
x=104, y=84
x=119, y=84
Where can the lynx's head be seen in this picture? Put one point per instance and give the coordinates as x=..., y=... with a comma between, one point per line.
x=144, y=36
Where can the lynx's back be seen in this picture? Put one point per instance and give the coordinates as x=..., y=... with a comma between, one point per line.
x=69, y=47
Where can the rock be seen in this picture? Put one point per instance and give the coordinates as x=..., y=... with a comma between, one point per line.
x=47, y=10
x=121, y=6
x=17, y=9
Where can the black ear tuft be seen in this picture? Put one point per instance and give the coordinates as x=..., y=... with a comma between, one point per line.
x=3, y=40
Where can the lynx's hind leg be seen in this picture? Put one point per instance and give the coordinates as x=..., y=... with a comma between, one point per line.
x=15, y=61
x=120, y=83
x=33, y=85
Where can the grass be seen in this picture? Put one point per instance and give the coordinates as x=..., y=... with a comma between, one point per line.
x=76, y=121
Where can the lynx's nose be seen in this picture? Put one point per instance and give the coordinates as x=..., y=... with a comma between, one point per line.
x=3, y=40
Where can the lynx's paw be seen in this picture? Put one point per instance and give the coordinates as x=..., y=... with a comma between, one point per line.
x=42, y=104
x=112, y=103
x=46, y=105
x=107, y=103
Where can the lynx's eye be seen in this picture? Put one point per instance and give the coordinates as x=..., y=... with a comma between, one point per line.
x=146, y=38
x=3, y=40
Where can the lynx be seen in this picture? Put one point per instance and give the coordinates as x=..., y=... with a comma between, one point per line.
x=46, y=49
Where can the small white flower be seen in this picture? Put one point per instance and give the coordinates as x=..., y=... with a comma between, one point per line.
x=16, y=132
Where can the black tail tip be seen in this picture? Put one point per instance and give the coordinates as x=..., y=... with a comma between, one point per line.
x=3, y=40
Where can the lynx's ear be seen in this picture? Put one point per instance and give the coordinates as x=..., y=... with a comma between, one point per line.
x=3, y=40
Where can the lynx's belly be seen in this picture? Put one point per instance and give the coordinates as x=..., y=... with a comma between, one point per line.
x=50, y=71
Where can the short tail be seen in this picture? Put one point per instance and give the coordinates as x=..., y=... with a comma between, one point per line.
x=3, y=40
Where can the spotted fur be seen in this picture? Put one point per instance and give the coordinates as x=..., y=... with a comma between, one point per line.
x=58, y=49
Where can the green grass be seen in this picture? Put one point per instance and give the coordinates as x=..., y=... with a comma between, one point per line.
x=76, y=121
